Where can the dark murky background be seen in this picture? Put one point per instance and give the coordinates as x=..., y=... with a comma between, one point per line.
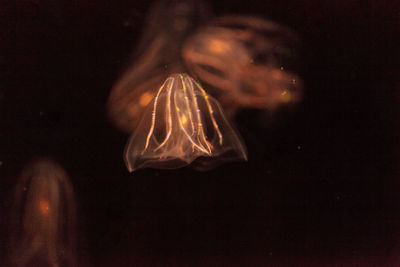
x=322, y=182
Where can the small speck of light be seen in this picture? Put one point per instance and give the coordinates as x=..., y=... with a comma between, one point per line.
x=299, y=147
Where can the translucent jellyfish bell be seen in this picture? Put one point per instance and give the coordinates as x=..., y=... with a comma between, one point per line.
x=181, y=125
x=43, y=226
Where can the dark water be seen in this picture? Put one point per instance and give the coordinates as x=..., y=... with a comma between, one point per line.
x=321, y=185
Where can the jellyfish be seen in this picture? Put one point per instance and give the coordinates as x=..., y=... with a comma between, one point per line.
x=157, y=55
x=246, y=62
x=43, y=226
x=183, y=125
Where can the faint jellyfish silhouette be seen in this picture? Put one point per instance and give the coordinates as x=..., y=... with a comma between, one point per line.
x=157, y=56
x=43, y=226
x=181, y=125
x=246, y=62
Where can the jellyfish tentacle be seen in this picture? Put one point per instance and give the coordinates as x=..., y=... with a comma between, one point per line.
x=201, y=135
x=168, y=117
x=190, y=138
x=241, y=147
x=181, y=124
x=153, y=114
x=186, y=99
x=187, y=104
x=195, y=130
x=210, y=109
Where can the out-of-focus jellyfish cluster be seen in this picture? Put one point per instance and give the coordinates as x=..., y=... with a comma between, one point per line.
x=243, y=62
x=246, y=62
x=43, y=223
x=181, y=124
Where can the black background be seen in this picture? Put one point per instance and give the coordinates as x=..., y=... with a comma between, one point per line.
x=334, y=200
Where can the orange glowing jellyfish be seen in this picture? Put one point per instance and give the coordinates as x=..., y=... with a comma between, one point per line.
x=243, y=61
x=182, y=124
x=43, y=226
x=246, y=62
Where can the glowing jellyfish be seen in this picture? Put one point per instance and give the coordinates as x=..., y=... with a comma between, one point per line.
x=157, y=55
x=44, y=217
x=246, y=62
x=181, y=125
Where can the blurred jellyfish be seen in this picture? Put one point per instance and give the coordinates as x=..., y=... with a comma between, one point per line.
x=43, y=226
x=246, y=61
x=182, y=124
x=157, y=56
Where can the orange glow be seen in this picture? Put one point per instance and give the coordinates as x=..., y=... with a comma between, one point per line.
x=286, y=96
x=183, y=120
x=277, y=74
x=44, y=207
x=218, y=46
x=182, y=124
x=44, y=213
x=145, y=99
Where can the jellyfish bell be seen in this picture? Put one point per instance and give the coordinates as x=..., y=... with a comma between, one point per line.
x=44, y=217
x=246, y=61
x=182, y=124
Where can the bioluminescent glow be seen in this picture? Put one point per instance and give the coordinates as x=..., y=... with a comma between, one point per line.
x=156, y=57
x=246, y=61
x=182, y=124
x=43, y=226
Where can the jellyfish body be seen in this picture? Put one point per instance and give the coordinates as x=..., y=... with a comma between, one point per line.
x=181, y=125
x=43, y=227
x=246, y=62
